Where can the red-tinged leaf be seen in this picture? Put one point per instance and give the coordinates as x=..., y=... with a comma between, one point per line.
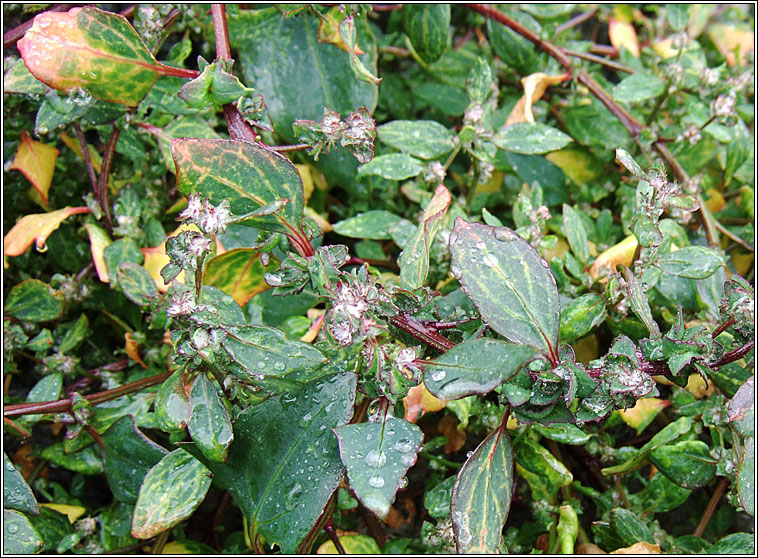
x=36, y=161
x=420, y=401
x=414, y=261
x=239, y=273
x=248, y=175
x=93, y=50
x=36, y=228
x=482, y=496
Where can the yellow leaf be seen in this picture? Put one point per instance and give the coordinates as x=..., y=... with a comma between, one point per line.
x=643, y=412
x=36, y=161
x=622, y=253
x=512, y=423
x=305, y=174
x=312, y=332
x=639, y=548
x=622, y=34
x=696, y=385
x=589, y=548
x=155, y=260
x=94, y=156
x=715, y=202
x=557, y=251
x=665, y=48
x=728, y=38
x=36, y=228
x=98, y=240
x=132, y=350
x=534, y=87
x=419, y=401
x=742, y=262
x=322, y=223
x=72, y=512
x=586, y=348
x=578, y=165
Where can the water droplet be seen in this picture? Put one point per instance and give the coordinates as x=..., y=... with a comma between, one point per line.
x=42, y=129
x=505, y=235
x=404, y=445
x=261, y=364
x=279, y=366
x=12, y=528
x=455, y=271
x=376, y=481
x=403, y=483
x=490, y=260
x=376, y=459
x=438, y=375
x=42, y=249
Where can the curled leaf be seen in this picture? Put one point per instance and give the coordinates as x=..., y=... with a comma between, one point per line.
x=98, y=240
x=36, y=161
x=36, y=228
x=622, y=34
x=534, y=87
x=622, y=253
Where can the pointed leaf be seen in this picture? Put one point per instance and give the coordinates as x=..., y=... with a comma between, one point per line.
x=576, y=234
x=580, y=315
x=34, y=301
x=473, y=367
x=427, y=26
x=395, y=166
x=210, y=425
x=36, y=228
x=91, y=49
x=99, y=241
x=694, y=262
x=688, y=463
x=19, y=535
x=136, y=283
x=482, y=496
x=159, y=506
x=248, y=175
x=638, y=87
x=267, y=350
x=127, y=456
x=239, y=273
x=275, y=441
x=414, y=261
x=377, y=456
x=16, y=492
x=640, y=304
x=374, y=225
x=509, y=283
x=426, y=139
x=534, y=87
x=741, y=408
x=36, y=161
x=531, y=138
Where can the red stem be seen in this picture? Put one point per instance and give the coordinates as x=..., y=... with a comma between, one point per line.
x=417, y=330
x=223, y=50
x=105, y=172
x=178, y=72
x=65, y=405
x=736, y=354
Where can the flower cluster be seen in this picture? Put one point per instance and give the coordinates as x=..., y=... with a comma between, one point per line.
x=357, y=134
x=349, y=319
x=209, y=219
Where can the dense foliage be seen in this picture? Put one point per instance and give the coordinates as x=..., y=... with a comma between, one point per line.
x=379, y=279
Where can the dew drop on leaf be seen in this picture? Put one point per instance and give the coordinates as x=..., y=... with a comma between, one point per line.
x=376, y=481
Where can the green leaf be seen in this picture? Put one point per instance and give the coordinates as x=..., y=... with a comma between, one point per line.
x=121, y=251
x=576, y=234
x=663, y=495
x=694, y=262
x=509, y=283
x=414, y=261
x=668, y=433
x=746, y=477
x=623, y=157
x=19, y=535
x=479, y=82
x=75, y=334
x=348, y=33
x=426, y=139
x=210, y=425
x=276, y=53
x=16, y=492
x=86, y=461
x=640, y=304
x=476, y=366
x=395, y=166
x=275, y=441
x=374, y=225
x=173, y=410
x=91, y=49
x=568, y=528
x=580, y=315
x=513, y=49
x=677, y=15
x=249, y=176
x=638, y=87
x=33, y=301
x=238, y=272
x=437, y=500
x=52, y=526
x=267, y=350
x=136, y=283
x=629, y=527
x=183, y=127
x=736, y=543
x=427, y=27
x=482, y=496
x=214, y=86
x=563, y=433
x=688, y=463
x=535, y=459
x=710, y=290
x=531, y=138
x=18, y=79
x=128, y=455
x=377, y=455
x=171, y=491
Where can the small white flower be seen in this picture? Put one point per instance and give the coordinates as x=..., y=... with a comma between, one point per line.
x=194, y=208
x=724, y=105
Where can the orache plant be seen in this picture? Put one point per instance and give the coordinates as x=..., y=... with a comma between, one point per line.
x=538, y=250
